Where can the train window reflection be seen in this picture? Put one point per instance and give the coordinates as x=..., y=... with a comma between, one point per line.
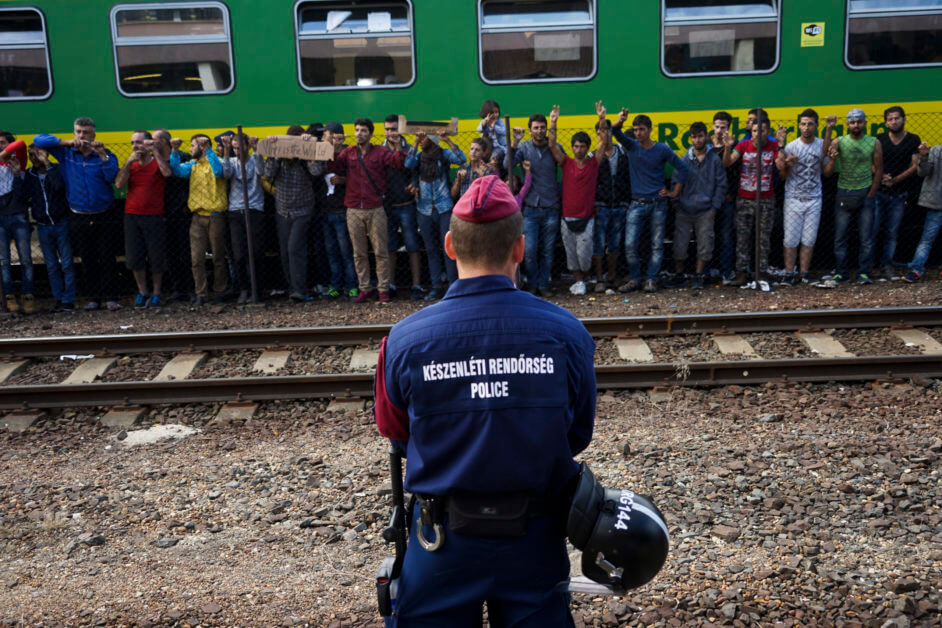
x=893, y=34
x=24, y=55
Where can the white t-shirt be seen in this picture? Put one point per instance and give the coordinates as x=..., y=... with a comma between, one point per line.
x=804, y=180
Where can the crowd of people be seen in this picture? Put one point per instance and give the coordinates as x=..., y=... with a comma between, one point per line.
x=395, y=195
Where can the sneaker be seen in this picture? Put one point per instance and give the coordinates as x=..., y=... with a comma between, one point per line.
x=650, y=285
x=864, y=279
x=417, y=293
x=29, y=304
x=806, y=278
x=243, y=297
x=140, y=301
x=698, y=281
x=729, y=278
x=68, y=306
x=156, y=301
x=384, y=297
x=629, y=286
x=353, y=293
x=365, y=296
x=676, y=280
x=838, y=278
x=300, y=298
x=433, y=294
x=578, y=288
x=199, y=301
x=912, y=277
x=544, y=292
x=790, y=278
x=600, y=287
x=393, y=290
x=12, y=304
x=332, y=293
x=113, y=306
x=56, y=307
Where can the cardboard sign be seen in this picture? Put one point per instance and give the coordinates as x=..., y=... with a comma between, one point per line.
x=429, y=128
x=291, y=146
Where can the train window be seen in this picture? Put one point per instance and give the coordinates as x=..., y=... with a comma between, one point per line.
x=24, y=55
x=172, y=49
x=716, y=37
x=893, y=33
x=537, y=41
x=355, y=44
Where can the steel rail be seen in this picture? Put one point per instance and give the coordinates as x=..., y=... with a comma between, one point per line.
x=227, y=340
x=745, y=372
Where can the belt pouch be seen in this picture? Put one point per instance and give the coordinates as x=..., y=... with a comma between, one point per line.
x=501, y=514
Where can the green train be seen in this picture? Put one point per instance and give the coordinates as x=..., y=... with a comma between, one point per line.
x=213, y=64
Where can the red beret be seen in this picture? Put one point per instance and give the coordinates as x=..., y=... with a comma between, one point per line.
x=488, y=199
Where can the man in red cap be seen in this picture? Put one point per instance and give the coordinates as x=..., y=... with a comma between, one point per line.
x=489, y=394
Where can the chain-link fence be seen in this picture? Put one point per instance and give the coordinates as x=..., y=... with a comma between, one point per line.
x=185, y=236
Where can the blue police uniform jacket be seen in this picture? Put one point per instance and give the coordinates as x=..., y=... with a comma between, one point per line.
x=490, y=390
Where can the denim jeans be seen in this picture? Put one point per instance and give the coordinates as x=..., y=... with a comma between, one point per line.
x=842, y=220
x=15, y=228
x=929, y=232
x=725, y=232
x=640, y=214
x=540, y=228
x=57, y=254
x=433, y=228
x=888, y=207
x=609, y=230
x=343, y=276
x=402, y=218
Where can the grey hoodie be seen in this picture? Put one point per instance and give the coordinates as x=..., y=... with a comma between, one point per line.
x=705, y=188
x=931, y=168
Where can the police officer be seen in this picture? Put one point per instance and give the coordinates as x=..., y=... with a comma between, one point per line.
x=489, y=394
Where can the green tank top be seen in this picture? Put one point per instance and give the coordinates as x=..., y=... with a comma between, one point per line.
x=856, y=161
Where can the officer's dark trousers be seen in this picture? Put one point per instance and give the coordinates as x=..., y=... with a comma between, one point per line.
x=516, y=576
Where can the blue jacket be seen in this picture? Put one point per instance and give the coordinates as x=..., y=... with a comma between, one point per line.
x=435, y=194
x=490, y=390
x=89, y=182
x=705, y=188
x=47, y=200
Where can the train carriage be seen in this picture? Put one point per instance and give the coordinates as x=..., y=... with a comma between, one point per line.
x=212, y=64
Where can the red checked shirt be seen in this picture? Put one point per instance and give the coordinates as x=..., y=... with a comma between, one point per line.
x=361, y=192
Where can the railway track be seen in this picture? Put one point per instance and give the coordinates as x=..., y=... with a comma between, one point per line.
x=834, y=366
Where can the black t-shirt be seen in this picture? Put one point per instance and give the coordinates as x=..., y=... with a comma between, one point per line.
x=897, y=158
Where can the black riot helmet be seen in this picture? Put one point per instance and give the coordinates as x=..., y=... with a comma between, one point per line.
x=622, y=535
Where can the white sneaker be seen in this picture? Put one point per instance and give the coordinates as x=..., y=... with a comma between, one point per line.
x=577, y=288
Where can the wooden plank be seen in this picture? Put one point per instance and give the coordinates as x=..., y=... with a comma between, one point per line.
x=9, y=369
x=823, y=344
x=919, y=338
x=427, y=127
x=122, y=416
x=346, y=404
x=181, y=366
x=294, y=146
x=733, y=344
x=21, y=420
x=364, y=359
x=272, y=360
x=634, y=350
x=90, y=370
x=236, y=411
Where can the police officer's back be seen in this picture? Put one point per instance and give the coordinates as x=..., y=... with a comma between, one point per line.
x=490, y=393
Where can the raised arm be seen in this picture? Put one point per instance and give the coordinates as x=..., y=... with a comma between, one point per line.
x=214, y=163
x=877, y=169
x=558, y=154
x=834, y=151
x=829, y=123
x=121, y=179
x=178, y=169
x=925, y=166
x=605, y=136
x=730, y=154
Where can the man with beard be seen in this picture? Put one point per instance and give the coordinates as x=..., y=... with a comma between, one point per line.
x=900, y=159
x=861, y=161
x=800, y=165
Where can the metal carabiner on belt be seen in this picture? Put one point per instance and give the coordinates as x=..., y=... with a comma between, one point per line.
x=439, y=538
x=431, y=513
